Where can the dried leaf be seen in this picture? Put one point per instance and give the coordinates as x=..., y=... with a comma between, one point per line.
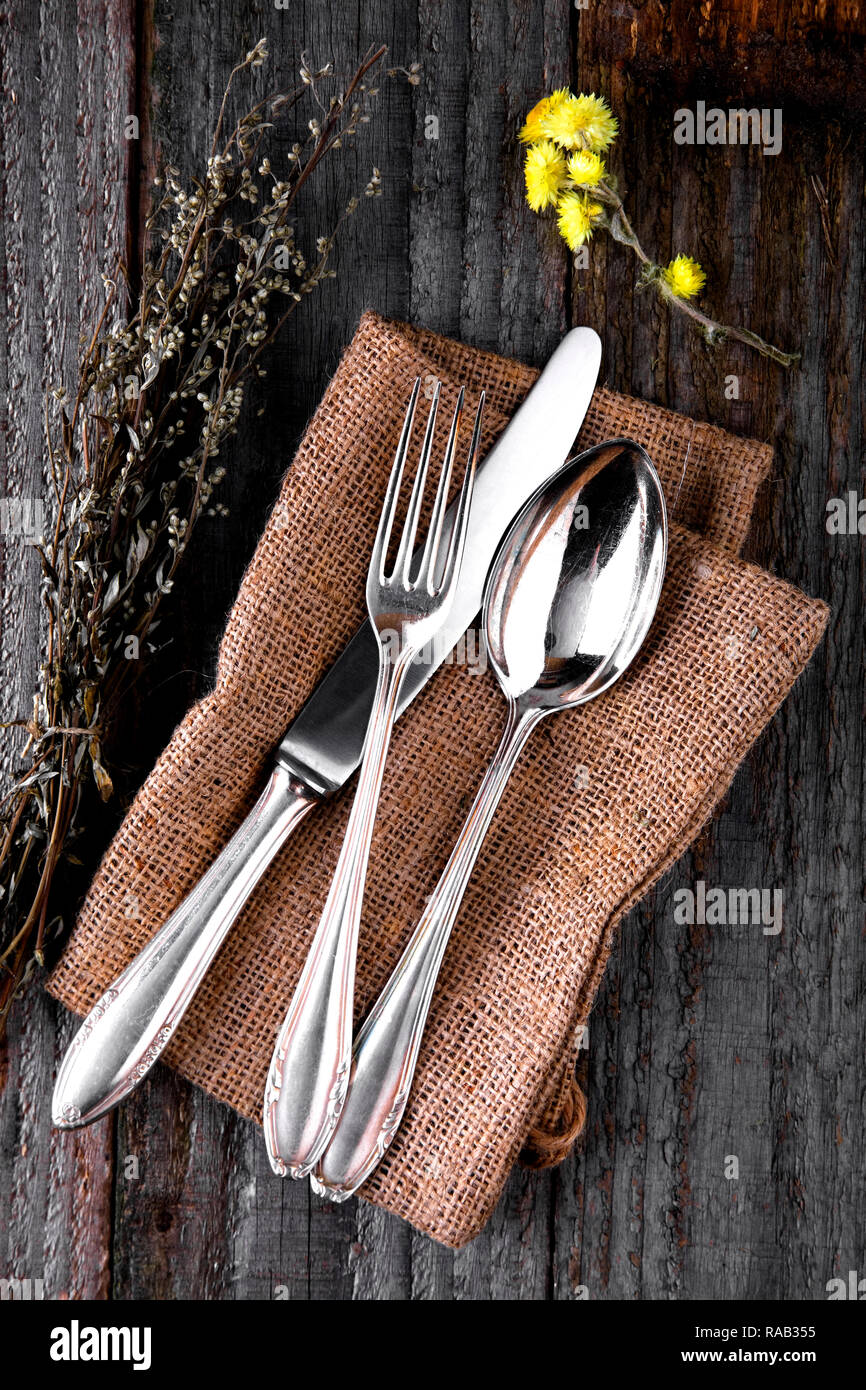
x=101, y=777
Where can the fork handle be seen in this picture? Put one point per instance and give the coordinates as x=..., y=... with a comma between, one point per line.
x=127, y=1029
x=309, y=1071
x=386, y=1049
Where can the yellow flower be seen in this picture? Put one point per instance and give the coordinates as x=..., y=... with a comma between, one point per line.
x=576, y=218
x=586, y=168
x=545, y=175
x=531, y=130
x=684, y=277
x=580, y=123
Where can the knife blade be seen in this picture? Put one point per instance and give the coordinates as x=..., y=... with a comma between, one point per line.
x=128, y=1028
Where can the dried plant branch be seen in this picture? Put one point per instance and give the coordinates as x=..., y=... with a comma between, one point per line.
x=134, y=459
x=621, y=230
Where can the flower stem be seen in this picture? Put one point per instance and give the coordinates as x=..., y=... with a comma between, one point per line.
x=621, y=230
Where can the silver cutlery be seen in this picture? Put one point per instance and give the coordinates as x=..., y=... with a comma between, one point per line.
x=570, y=599
x=309, y=1072
x=131, y=1023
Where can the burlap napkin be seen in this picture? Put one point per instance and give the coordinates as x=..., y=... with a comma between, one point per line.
x=603, y=800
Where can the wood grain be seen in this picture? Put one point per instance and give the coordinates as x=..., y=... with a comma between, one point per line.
x=705, y=1043
x=810, y=55
x=65, y=168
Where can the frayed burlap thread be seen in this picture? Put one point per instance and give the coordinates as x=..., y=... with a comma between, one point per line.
x=603, y=799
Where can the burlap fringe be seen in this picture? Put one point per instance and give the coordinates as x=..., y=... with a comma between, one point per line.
x=545, y=1148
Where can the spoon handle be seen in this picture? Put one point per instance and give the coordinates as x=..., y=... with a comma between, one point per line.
x=386, y=1049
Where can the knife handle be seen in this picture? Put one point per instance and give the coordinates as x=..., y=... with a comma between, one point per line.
x=127, y=1029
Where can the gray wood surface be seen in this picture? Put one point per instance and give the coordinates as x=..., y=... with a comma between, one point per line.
x=704, y=1042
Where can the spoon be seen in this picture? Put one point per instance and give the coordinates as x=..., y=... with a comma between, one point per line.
x=569, y=600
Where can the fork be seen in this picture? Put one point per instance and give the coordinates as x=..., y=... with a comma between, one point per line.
x=309, y=1072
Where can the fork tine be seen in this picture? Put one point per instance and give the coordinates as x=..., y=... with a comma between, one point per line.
x=389, y=506
x=430, y=556
x=461, y=520
x=410, y=526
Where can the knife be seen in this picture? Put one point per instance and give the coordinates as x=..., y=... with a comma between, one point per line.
x=130, y=1025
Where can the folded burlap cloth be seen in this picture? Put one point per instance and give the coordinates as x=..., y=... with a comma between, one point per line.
x=603, y=799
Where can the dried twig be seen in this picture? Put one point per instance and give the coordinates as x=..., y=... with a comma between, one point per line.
x=135, y=459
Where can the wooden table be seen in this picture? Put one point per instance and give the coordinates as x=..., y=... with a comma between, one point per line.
x=704, y=1043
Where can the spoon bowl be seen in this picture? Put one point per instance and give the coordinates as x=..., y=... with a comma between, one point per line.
x=577, y=579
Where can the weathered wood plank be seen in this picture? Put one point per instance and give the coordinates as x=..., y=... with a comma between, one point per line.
x=710, y=1042
x=809, y=53
x=68, y=81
